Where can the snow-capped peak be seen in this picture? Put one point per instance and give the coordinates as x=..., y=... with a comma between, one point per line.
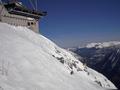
x=103, y=44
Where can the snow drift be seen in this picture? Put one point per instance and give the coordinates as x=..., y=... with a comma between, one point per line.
x=29, y=61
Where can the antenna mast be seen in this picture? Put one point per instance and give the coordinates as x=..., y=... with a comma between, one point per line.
x=34, y=4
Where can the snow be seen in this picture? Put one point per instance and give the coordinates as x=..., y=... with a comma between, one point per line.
x=29, y=61
x=103, y=45
x=30, y=18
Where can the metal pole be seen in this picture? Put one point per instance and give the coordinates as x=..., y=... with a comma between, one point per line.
x=36, y=5
x=32, y=4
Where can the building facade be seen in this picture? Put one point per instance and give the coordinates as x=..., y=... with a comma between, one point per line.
x=18, y=15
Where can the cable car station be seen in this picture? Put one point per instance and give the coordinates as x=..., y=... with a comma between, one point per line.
x=15, y=13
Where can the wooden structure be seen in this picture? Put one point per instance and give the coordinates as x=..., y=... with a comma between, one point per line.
x=15, y=13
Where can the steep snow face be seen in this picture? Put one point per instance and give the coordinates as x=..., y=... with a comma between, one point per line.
x=103, y=45
x=29, y=61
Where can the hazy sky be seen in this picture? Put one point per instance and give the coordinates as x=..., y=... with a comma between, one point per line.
x=72, y=23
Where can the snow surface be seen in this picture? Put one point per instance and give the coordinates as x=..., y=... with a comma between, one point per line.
x=103, y=45
x=29, y=61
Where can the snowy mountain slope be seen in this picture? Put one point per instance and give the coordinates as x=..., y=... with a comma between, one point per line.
x=29, y=61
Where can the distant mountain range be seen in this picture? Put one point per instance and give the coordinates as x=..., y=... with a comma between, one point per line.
x=103, y=57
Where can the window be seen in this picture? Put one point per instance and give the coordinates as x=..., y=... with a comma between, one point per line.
x=28, y=23
x=31, y=23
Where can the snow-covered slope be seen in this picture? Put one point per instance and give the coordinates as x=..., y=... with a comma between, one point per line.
x=103, y=45
x=29, y=61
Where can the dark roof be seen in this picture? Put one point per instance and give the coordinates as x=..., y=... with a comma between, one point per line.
x=19, y=9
